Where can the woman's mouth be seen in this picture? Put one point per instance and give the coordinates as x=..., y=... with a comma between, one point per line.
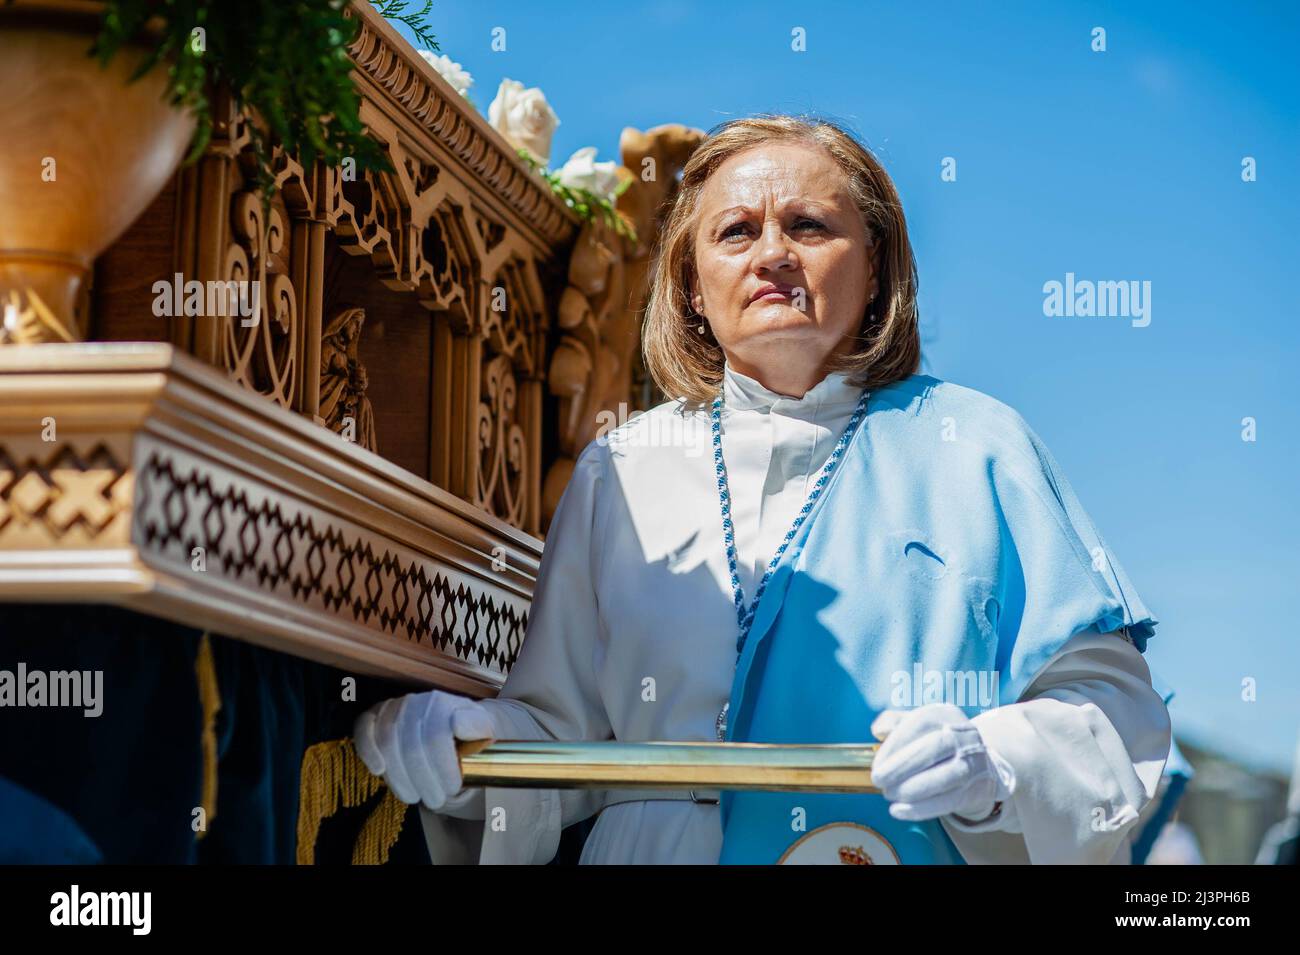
x=773, y=293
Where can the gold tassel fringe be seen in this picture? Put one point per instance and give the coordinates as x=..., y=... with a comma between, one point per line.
x=334, y=777
x=210, y=701
x=380, y=832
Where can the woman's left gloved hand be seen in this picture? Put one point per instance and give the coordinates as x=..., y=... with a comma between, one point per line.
x=933, y=762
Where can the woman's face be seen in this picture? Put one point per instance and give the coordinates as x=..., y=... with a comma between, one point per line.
x=781, y=215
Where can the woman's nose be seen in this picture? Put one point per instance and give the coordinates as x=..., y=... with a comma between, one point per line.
x=774, y=250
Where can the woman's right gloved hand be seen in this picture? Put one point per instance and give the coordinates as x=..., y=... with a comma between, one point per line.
x=410, y=741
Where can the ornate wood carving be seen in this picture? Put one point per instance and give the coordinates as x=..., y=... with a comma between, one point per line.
x=503, y=468
x=74, y=492
x=595, y=369
x=134, y=474
x=328, y=565
x=260, y=351
x=460, y=224
x=394, y=76
x=343, y=379
x=156, y=463
x=302, y=554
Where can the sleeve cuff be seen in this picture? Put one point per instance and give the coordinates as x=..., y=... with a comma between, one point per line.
x=1002, y=818
x=995, y=813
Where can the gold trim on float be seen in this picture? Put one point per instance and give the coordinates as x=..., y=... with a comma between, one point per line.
x=772, y=767
x=136, y=475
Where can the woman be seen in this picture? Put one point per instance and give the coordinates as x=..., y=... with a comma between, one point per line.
x=922, y=570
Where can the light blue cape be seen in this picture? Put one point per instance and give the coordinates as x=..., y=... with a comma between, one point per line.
x=946, y=561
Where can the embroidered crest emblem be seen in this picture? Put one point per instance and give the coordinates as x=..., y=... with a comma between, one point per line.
x=840, y=843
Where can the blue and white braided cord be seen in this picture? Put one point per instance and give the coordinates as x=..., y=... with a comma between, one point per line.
x=745, y=616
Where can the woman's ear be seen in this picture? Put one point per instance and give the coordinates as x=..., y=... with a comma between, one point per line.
x=696, y=299
x=875, y=255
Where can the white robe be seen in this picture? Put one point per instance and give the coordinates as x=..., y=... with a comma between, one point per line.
x=638, y=536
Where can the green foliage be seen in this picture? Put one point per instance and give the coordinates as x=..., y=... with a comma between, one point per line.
x=585, y=203
x=419, y=26
x=286, y=60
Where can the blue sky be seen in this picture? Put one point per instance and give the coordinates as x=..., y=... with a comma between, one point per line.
x=1122, y=165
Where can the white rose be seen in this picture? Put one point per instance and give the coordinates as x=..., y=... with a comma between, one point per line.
x=583, y=172
x=524, y=118
x=453, y=73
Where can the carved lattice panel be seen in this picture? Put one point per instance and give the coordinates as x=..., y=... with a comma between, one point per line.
x=67, y=493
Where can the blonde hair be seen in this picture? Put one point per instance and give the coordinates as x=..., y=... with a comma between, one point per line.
x=684, y=363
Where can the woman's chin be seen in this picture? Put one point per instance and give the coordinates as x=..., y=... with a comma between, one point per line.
x=778, y=319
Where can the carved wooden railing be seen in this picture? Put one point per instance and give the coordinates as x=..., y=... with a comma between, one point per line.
x=363, y=476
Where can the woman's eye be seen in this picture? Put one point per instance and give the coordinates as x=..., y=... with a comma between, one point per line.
x=739, y=227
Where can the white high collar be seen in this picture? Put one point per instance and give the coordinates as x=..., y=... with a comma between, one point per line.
x=832, y=393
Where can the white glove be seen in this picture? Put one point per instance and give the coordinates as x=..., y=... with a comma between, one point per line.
x=411, y=742
x=933, y=762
